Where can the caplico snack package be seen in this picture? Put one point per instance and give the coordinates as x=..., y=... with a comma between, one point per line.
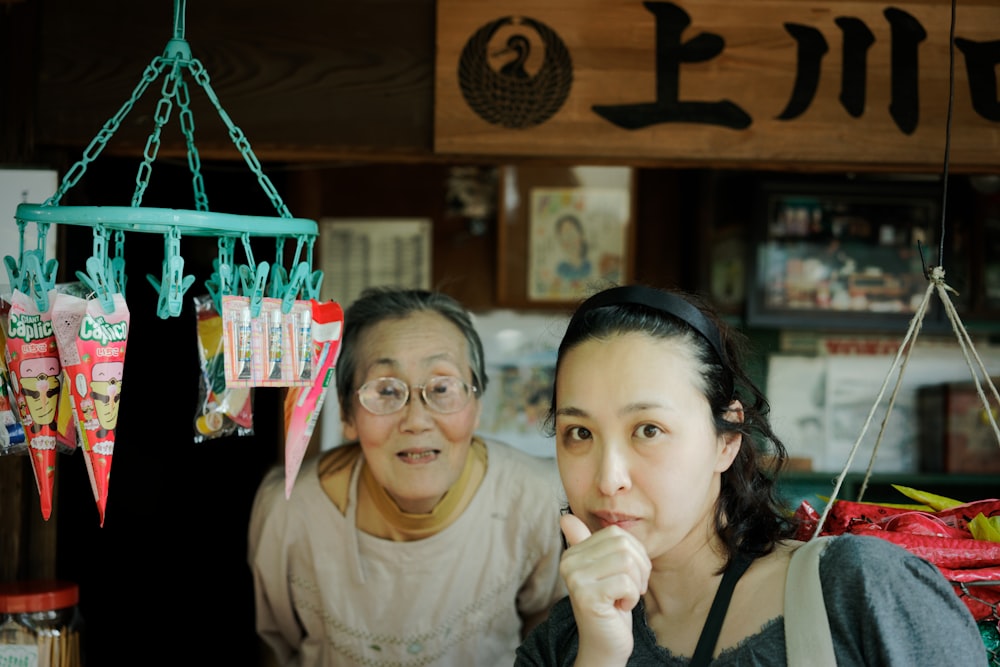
x=36, y=377
x=92, y=345
x=12, y=437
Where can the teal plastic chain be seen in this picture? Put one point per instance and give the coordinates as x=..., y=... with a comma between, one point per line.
x=32, y=273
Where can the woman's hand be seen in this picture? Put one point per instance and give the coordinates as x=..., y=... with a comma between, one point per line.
x=605, y=573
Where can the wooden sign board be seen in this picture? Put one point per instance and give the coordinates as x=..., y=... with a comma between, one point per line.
x=857, y=83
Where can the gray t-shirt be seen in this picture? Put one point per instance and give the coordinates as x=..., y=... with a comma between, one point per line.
x=886, y=607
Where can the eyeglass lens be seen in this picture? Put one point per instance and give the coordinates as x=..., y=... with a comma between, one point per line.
x=444, y=394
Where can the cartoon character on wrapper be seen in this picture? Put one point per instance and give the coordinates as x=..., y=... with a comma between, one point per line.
x=98, y=417
x=38, y=381
x=40, y=385
x=105, y=390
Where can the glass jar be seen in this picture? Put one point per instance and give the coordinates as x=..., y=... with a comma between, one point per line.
x=40, y=624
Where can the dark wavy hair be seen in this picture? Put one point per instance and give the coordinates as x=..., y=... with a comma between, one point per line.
x=750, y=516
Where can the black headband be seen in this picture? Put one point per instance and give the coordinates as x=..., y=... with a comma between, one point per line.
x=665, y=302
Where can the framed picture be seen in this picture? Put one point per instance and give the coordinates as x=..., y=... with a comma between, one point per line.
x=357, y=253
x=727, y=271
x=843, y=257
x=563, y=233
x=955, y=432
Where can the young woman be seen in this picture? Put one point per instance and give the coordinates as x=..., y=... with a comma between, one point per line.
x=417, y=543
x=679, y=547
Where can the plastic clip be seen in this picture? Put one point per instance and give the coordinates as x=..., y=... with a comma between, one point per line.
x=117, y=263
x=97, y=277
x=14, y=275
x=174, y=283
x=299, y=274
x=279, y=282
x=222, y=278
x=279, y=276
x=253, y=283
x=313, y=284
x=39, y=277
x=27, y=276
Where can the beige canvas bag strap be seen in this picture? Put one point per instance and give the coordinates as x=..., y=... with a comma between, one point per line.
x=807, y=630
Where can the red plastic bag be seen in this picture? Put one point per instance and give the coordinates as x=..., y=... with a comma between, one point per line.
x=943, y=538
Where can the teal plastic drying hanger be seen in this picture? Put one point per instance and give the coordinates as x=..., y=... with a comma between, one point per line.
x=35, y=275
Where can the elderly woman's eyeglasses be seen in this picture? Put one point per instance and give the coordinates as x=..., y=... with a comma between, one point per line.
x=444, y=394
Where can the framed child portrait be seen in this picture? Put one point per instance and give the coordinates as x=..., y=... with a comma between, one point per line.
x=573, y=227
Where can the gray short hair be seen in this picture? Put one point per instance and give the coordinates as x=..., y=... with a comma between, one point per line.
x=376, y=304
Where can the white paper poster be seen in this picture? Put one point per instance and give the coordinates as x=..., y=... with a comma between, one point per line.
x=24, y=186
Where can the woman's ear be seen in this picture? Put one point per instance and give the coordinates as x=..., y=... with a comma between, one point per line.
x=349, y=431
x=731, y=440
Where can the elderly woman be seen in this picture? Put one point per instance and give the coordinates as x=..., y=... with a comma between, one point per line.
x=417, y=542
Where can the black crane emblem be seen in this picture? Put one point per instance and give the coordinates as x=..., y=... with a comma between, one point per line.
x=513, y=91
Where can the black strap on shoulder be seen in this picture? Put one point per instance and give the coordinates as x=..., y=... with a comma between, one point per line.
x=720, y=605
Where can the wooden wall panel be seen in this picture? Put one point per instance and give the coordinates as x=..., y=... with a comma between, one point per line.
x=303, y=80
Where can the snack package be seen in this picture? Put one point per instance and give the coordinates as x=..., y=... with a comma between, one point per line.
x=303, y=404
x=36, y=376
x=221, y=411
x=12, y=437
x=267, y=349
x=92, y=346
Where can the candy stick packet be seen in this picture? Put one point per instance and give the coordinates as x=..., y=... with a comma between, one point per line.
x=303, y=404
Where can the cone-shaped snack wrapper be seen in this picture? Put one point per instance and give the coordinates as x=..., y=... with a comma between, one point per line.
x=303, y=404
x=35, y=372
x=92, y=350
x=12, y=438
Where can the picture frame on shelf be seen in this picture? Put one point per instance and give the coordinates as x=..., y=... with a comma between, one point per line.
x=356, y=253
x=564, y=232
x=846, y=256
x=727, y=268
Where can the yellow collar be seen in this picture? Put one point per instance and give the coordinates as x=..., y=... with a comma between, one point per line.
x=411, y=526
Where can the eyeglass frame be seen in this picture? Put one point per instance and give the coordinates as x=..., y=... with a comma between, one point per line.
x=471, y=391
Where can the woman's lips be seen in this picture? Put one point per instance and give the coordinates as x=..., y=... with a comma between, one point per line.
x=616, y=519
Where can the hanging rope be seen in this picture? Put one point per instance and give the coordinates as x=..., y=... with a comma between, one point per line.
x=936, y=285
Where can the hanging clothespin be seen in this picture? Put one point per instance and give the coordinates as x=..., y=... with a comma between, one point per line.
x=311, y=288
x=98, y=277
x=279, y=282
x=299, y=274
x=38, y=273
x=313, y=284
x=301, y=280
x=14, y=274
x=223, y=277
x=212, y=286
x=279, y=275
x=174, y=283
x=117, y=263
x=253, y=282
x=39, y=278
